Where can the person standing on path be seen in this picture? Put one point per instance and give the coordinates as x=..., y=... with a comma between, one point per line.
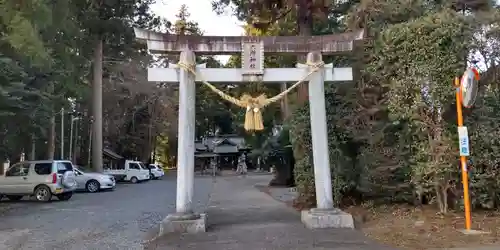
x=242, y=165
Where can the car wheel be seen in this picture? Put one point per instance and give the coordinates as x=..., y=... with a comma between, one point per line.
x=42, y=193
x=65, y=196
x=134, y=180
x=1, y=196
x=92, y=186
x=14, y=197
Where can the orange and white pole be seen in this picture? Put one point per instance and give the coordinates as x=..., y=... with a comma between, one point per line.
x=462, y=131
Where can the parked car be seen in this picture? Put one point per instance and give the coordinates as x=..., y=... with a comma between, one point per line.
x=93, y=182
x=39, y=179
x=129, y=171
x=151, y=177
x=156, y=171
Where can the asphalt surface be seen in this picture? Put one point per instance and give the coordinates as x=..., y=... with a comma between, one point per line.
x=119, y=219
x=240, y=217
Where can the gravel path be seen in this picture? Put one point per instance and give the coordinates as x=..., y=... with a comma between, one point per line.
x=118, y=219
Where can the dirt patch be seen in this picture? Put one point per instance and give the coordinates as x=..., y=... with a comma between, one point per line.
x=408, y=227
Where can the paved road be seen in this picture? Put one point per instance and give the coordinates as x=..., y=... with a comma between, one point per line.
x=242, y=218
x=119, y=219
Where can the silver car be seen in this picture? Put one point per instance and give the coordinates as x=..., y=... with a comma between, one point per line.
x=40, y=179
x=93, y=182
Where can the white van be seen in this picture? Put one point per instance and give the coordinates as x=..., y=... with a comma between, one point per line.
x=129, y=171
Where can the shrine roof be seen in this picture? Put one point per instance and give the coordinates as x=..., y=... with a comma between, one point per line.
x=204, y=155
x=200, y=146
x=213, y=141
x=163, y=43
x=224, y=141
x=111, y=154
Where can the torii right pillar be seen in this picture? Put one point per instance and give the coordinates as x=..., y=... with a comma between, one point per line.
x=324, y=215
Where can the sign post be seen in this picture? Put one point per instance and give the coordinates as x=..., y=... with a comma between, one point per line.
x=464, y=152
x=466, y=91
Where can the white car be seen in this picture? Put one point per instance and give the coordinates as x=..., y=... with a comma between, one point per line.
x=129, y=171
x=93, y=182
x=156, y=171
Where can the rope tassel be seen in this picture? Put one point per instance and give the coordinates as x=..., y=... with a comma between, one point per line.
x=253, y=116
x=253, y=119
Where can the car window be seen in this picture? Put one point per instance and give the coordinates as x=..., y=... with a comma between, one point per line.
x=134, y=166
x=83, y=169
x=62, y=167
x=20, y=169
x=43, y=168
x=142, y=166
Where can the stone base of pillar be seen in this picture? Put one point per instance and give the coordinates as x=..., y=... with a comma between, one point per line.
x=183, y=223
x=322, y=218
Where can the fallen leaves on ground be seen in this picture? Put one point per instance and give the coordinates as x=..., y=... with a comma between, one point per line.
x=413, y=228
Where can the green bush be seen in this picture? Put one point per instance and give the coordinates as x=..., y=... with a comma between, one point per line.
x=342, y=167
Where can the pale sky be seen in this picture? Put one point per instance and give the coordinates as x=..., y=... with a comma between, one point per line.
x=201, y=12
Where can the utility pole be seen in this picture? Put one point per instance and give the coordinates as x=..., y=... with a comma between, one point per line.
x=62, y=133
x=70, y=154
x=90, y=144
x=76, y=151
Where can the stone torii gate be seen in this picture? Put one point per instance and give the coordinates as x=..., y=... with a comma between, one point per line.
x=187, y=73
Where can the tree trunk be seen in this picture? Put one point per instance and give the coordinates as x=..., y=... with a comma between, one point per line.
x=284, y=174
x=51, y=142
x=285, y=113
x=284, y=170
x=148, y=148
x=154, y=150
x=97, y=163
x=33, y=148
x=305, y=26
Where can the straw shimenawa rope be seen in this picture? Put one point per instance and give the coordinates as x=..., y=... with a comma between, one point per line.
x=253, y=105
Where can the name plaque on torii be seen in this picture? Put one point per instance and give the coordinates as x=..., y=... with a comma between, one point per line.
x=252, y=58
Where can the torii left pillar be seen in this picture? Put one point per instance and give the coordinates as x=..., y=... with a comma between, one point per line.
x=185, y=220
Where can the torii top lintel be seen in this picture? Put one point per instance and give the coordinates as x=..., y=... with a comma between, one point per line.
x=162, y=43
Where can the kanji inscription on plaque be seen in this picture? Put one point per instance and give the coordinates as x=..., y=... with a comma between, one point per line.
x=252, y=58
